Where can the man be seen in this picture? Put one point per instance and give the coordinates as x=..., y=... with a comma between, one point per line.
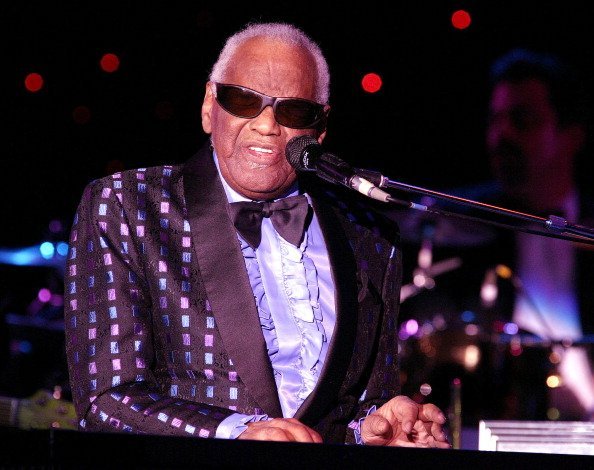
x=535, y=133
x=177, y=323
x=511, y=282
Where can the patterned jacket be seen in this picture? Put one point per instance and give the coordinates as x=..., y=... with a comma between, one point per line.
x=162, y=330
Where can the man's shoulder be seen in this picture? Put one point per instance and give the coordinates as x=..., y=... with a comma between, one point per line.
x=140, y=175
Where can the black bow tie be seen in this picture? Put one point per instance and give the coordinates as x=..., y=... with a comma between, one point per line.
x=288, y=217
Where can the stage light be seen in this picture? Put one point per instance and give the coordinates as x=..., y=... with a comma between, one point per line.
x=471, y=329
x=554, y=357
x=411, y=327
x=472, y=357
x=371, y=82
x=110, y=63
x=553, y=414
x=33, y=82
x=44, y=295
x=468, y=316
x=461, y=19
x=47, y=250
x=55, y=226
x=511, y=328
x=554, y=381
x=21, y=347
x=425, y=389
x=62, y=248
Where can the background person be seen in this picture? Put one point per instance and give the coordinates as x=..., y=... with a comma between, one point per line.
x=536, y=130
x=535, y=139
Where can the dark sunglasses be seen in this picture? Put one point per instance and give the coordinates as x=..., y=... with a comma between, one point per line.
x=296, y=113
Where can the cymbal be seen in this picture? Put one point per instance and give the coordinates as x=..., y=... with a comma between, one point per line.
x=423, y=278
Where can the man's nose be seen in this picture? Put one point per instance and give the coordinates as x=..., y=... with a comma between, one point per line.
x=265, y=122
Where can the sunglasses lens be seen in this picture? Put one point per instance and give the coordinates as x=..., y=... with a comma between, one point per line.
x=289, y=112
x=298, y=114
x=238, y=101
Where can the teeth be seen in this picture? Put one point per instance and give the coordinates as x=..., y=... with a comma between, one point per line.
x=259, y=149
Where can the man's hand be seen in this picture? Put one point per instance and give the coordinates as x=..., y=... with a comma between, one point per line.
x=280, y=429
x=403, y=422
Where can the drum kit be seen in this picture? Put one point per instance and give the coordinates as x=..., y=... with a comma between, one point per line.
x=469, y=349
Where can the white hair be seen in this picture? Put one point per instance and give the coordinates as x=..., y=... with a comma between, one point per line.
x=282, y=32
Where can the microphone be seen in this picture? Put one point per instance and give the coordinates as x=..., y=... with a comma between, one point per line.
x=305, y=154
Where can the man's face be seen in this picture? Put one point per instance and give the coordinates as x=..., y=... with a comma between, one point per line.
x=527, y=148
x=251, y=152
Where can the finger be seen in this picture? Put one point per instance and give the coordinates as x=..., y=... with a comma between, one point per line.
x=422, y=436
x=430, y=412
x=280, y=429
x=438, y=443
x=438, y=433
x=315, y=436
x=298, y=431
x=376, y=430
x=305, y=432
x=265, y=433
x=407, y=410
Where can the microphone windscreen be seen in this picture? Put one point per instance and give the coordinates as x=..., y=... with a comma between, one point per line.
x=300, y=152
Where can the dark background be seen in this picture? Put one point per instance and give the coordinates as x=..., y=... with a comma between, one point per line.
x=424, y=127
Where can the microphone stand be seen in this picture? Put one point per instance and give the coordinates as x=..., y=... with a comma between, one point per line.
x=554, y=226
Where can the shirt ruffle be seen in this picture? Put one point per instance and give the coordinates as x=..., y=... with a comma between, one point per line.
x=297, y=368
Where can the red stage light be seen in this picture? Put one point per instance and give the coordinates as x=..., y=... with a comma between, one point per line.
x=461, y=19
x=33, y=82
x=110, y=63
x=371, y=82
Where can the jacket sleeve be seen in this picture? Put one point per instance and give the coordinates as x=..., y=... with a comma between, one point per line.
x=109, y=329
x=383, y=381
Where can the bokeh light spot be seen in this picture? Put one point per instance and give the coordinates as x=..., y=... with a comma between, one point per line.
x=109, y=63
x=56, y=226
x=461, y=19
x=371, y=82
x=33, y=82
x=44, y=295
x=47, y=250
x=62, y=248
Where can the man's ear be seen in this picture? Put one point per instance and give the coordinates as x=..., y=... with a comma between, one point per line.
x=321, y=136
x=206, y=111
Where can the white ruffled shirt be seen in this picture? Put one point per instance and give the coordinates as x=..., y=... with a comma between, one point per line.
x=294, y=294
